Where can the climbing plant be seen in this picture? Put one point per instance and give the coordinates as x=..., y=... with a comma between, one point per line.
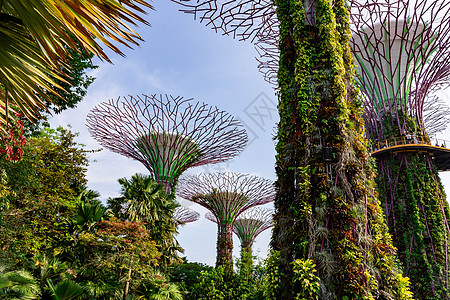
x=326, y=205
x=417, y=214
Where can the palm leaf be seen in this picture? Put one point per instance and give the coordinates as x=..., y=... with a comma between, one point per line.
x=21, y=283
x=65, y=290
x=36, y=36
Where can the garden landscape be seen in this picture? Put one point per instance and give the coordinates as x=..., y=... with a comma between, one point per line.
x=146, y=153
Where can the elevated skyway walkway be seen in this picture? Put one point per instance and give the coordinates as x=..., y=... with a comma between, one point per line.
x=437, y=148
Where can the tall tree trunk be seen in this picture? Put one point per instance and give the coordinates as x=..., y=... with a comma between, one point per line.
x=417, y=213
x=225, y=246
x=326, y=205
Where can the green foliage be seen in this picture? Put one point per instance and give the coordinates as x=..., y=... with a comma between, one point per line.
x=65, y=290
x=18, y=285
x=114, y=254
x=39, y=193
x=146, y=201
x=273, y=276
x=187, y=274
x=72, y=90
x=304, y=275
x=220, y=284
x=156, y=287
x=403, y=292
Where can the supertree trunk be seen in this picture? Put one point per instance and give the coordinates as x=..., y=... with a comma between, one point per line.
x=225, y=246
x=417, y=213
x=247, y=257
x=326, y=206
x=402, y=52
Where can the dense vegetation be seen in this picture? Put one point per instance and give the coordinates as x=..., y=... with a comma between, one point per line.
x=57, y=238
x=329, y=227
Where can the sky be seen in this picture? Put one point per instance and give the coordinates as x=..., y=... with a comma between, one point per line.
x=182, y=57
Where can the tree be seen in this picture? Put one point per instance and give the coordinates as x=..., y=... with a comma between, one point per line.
x=115, y=258
x=17, y=284
x=36, y=44
x=72, y=90
x=39, y=194
x=144, y=200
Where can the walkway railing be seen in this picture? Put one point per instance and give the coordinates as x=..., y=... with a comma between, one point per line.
x=409, y=140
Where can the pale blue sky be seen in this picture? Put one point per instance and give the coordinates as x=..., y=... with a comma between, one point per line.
x=182, y=57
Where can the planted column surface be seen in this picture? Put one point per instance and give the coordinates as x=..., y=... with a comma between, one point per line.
x=401, y=49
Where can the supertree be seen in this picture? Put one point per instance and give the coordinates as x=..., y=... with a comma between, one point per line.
x=248, y=226
x=403, y=57
x=326, y=209
x=226, y=196
x=184, y=215
x=167, y=134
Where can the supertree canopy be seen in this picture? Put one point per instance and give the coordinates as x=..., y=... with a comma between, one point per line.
x=226, y=196
x=184, y=215
x=403, y=57
x=401, y=48
x=167, y=134
x=327, y=215
x=256, y=21
x=249, y=225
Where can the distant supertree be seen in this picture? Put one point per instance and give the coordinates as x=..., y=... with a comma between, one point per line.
x=226, y=196
x=184, y=215
x=249, y=225
x=167, y=134
x=403, y=57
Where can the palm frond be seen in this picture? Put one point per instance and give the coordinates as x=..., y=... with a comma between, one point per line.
x=36, y=38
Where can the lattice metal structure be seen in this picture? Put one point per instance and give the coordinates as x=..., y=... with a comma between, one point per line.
x=167, y=134
x=249, y=225
x=252, y=20
x=402, y=52
x=184, y=215
x=257, y=22
x=226, y=196
x=403, y=58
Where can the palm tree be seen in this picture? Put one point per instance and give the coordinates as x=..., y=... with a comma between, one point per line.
x=145, y=201
x=36, y=38
x=18, y=284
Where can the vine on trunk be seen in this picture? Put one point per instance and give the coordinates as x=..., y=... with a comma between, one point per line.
x=326, y=205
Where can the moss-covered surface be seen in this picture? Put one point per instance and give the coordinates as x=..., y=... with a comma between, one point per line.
x=417, y=212
x=326, y=207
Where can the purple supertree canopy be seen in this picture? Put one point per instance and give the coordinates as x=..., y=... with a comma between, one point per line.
x=184, y=215
x=402, y=52
x=249, y=224
x=167, y=134
x=423, y=66
x=226, y=196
